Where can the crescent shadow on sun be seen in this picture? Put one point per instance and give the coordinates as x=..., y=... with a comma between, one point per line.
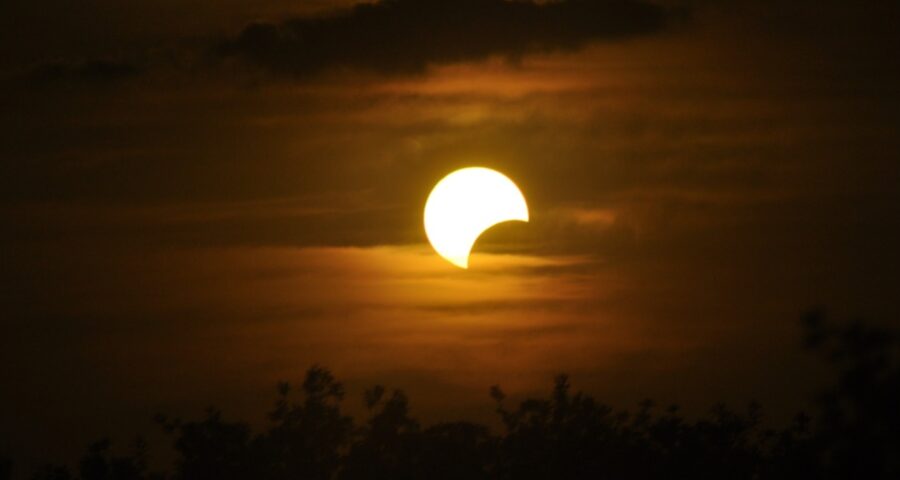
x=489, y=234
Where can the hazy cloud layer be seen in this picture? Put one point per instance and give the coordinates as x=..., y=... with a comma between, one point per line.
x=403, y=36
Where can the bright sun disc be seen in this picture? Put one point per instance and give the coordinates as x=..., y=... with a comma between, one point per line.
x=466, y=203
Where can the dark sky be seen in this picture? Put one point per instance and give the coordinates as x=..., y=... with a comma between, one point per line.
x=201, y=198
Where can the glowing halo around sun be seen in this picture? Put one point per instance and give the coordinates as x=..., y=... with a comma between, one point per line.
x=464, y=204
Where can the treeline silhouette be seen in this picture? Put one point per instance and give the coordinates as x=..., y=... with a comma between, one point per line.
x=854, y=433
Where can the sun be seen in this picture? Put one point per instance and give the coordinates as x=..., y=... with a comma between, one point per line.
x=464, y=204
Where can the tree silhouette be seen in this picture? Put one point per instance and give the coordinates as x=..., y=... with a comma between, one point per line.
x=307, y=438
x=568, y=435
x=5, y=468
x=859, y=424
x=99, y=464
x=212, y=448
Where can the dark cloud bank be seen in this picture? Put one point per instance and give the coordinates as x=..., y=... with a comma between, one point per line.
x=405, y=36
x=93, y=71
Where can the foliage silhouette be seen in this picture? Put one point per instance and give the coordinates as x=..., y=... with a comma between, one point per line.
x=568, y=435
x=5, y=468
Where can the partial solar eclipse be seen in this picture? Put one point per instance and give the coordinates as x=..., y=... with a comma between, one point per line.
x=466, y=203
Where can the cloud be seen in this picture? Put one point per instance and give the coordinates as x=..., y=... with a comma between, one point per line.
x=87, y=72
x=406, y=36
